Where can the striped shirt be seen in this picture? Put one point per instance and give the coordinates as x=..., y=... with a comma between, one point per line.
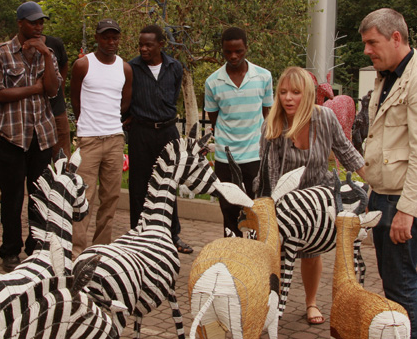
x=329, y=136
x=239, y=110
x=19, y=119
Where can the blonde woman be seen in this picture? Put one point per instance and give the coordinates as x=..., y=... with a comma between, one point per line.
x=304, y=134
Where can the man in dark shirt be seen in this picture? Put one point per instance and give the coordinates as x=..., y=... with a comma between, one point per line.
x=151, y=119
x=58, y=103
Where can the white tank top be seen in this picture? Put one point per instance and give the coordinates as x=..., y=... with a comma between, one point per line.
x=101, y=95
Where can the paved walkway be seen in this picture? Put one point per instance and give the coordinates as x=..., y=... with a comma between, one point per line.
x=159, y=324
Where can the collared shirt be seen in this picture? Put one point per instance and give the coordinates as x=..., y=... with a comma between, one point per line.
x=155, y=99
x=328, y=136
x=391, y=146
x=391, y=77
x=240, y=117
x=20, y=119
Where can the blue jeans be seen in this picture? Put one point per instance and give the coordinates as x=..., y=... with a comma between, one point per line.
x=396, y=263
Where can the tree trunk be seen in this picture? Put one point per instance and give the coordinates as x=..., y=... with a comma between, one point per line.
x=190, y=101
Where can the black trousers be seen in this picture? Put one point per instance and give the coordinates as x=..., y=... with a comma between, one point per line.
x=16, y=166
x=145, y=145
x=231, y=212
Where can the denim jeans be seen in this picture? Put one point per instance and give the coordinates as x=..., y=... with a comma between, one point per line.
x=396, y=263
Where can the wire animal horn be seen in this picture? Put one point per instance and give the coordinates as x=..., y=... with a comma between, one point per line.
x=237, y=177
x=264, y=189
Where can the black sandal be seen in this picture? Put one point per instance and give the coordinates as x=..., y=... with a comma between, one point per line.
x=182, y=247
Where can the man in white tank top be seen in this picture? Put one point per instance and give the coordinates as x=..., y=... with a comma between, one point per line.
x=101, y=88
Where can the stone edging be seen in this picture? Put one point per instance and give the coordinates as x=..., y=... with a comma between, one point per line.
x=197, y=209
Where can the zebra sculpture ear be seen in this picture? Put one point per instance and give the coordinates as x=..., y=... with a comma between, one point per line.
x=233, y=194
x=60, y=162
x=193, y=132
x=75, y=161
x=363, y=198
x=83, y=272
x=287, y=183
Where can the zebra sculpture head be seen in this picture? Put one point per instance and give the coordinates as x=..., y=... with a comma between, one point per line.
x=183, y=161
x=59, y=199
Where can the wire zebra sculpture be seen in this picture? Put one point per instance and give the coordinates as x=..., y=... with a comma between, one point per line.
x=42, y=297
x=140, y=268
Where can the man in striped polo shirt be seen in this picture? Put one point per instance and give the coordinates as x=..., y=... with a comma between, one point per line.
x=237, y=98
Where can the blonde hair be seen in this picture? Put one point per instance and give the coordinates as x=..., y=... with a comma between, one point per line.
x=301, y=80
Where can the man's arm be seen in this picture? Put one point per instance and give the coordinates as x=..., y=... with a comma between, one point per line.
x=213, y=117
x=79, y=70
x=265, y=111
x=127, y=88
x=19, y=93
x=51, y=82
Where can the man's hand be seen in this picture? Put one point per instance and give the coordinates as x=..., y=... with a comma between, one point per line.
x=401, y=227
x=38, y=44
x=126, y=123
x=39, y=86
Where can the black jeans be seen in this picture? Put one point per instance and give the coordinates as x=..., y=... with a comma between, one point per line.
x=145, y=145
x=231, y=212
x=16, y=166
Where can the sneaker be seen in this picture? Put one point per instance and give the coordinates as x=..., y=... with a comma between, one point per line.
x=10, y=262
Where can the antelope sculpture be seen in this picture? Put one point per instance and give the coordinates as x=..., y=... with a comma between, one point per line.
x=357, y=313
x=234, y=282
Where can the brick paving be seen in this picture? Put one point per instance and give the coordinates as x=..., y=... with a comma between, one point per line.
x=293, y=325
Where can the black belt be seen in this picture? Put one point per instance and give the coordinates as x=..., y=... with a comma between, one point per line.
x=158, y=125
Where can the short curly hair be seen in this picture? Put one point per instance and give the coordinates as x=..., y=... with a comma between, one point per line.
x=155, y=29
x=234, y=33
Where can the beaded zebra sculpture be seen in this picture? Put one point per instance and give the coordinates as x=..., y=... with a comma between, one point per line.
x=140, y=268
x=40, y=299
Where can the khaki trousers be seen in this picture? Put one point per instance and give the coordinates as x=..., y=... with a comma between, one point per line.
x=102, y=159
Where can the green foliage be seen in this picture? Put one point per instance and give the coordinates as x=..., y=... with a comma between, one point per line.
x=8, y=25
x=195, y=25
x=350, y=15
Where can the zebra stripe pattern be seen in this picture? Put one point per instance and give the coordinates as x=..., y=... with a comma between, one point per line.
x=306, y=223
x=39, y=298
x=140, y=268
